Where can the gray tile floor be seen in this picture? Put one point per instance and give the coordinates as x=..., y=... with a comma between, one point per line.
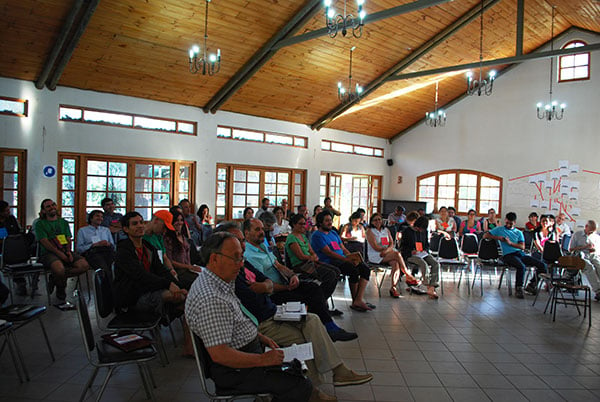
x=460, y=348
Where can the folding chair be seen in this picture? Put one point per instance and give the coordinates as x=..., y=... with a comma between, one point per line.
x=111, y=357
x=552, y=253
x=375, y=268
x=10, y=342
x=120, y=321
x=469, y=246
x=449, y=256
x=559, y=284
x=203, y=362
x=488, y=255
x=434, y=243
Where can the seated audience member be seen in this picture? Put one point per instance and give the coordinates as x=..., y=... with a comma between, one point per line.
x=445, y=224
x=415, y=249
x=330, y=249
x=253, y=289
x=328, y=207
x=362, y=214
x=192, y=222
x=316, y=211
x=421, y=211
x=268, y=220
x=310, y=226
x=10, y=226
x=452, y=214
x=229, y=331
x=281, y=226
x=562, y=230
x=586, y=244
x=287, y=213
x=354, y=234
x=470, y=225
x=410, y=220
x=55, y=239
x=286, y=284
x=154, y=234
x=95, y=243
x=248, y=213
x=112, y=219
x=533, y=223
x=178, y=252
x=303, y=258
x=380, y=249
x=397, y=216
x=541, y=235
x=265, y=203
x=512, y=242
x=206, y=221
x=491, y=221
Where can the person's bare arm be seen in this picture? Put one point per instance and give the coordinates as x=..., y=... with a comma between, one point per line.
x=230, y=357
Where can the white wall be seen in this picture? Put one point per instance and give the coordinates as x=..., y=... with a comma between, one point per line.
x=500, y=134
x=206, y=149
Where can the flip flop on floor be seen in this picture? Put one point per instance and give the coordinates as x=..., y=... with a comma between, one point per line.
x=371, y=306
x=358, y=308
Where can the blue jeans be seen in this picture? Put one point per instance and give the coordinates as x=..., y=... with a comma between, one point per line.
x=520, y=261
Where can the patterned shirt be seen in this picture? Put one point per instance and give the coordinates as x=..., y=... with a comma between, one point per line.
x=213, y=312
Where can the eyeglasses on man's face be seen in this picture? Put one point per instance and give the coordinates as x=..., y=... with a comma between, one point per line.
x=236, y=260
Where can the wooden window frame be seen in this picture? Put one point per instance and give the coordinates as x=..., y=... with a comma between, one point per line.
x=560, y=69
x=81, y=180
x=374, y=202
x=330, y=142
x=16, y=100
x=21, y=155
x=264, y=133
x=132, y=115
x=229, y=168
x=457, y=173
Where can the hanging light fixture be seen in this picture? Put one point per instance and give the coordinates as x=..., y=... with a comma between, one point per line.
x=341, y=22
x=208, y=63
x=551, y=110
x=348, y=95
x=480, y=86
x=437, y=118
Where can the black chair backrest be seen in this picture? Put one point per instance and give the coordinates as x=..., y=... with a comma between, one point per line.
x=84, y=321
x=488, y=250
x=528, y=235
x=434, y=242
x=15, y=250
x=565, y=242
x=469, y=243
x=448, y=248
x=552, y=251
x=203, y=356
x=105, y=304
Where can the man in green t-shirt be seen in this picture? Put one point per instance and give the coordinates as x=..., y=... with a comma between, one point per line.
x=55, y=239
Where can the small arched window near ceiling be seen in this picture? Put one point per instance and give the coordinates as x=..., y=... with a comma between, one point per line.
x=575, y=66
x=461, y=189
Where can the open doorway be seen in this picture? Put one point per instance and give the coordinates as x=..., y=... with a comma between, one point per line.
x=348, y=192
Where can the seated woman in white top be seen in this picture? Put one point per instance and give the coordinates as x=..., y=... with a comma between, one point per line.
x=380, y=249
x=353, y=234
x=445, y=223
x=281, y=227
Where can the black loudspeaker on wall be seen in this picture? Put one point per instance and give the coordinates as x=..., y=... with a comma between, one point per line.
x=390, y=162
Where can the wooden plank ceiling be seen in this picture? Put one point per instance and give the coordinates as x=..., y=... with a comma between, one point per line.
x=140, y=49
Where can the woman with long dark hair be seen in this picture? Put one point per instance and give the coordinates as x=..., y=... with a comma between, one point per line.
x=178, y=251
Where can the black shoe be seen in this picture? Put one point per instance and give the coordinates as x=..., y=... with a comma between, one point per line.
x=531, y=289
x=342, y=335
x=61, y=293
x=335, y=312
x=519, y=293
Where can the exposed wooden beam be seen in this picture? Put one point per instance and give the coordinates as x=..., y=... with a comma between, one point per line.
x=497, y=62
x=68, y=52
x=513, y=61
x=262, y=55
x=58, y=44
x=520, y=19
x=370, y=18
x=407, y=61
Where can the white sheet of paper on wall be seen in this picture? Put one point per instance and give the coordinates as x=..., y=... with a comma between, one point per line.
x=534, y=203
x=580, y=223
x=574, y=184
x=565, y=183
x=549, y=184
x=533, y=179
x=564, y=172
x=563, y=164
x=541, y=178
x=574, y=195
x=545, y=204
x=564, y=190
x=575, y=211
x=555, y=206
x=555, y=174
x=574, y=168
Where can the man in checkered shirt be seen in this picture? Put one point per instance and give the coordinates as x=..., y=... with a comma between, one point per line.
x=231, y=335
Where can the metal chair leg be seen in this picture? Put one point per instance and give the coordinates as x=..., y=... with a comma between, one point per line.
x=46, y=338
x=104, y=384
x=7, y=342
x=144, y=380
x=162, y=352
x=88, y=384
x=18, y=350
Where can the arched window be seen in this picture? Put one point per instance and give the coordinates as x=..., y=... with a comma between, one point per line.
x=461, y=189
x=575, y=66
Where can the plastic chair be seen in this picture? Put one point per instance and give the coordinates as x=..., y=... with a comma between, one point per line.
x=449, y=256
x=111, y=357
x=488, y=255
x=551, y=254
x=434, y=243
x=121, y=321
x=469, y=245
x=203, y=362
x=16, y=261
